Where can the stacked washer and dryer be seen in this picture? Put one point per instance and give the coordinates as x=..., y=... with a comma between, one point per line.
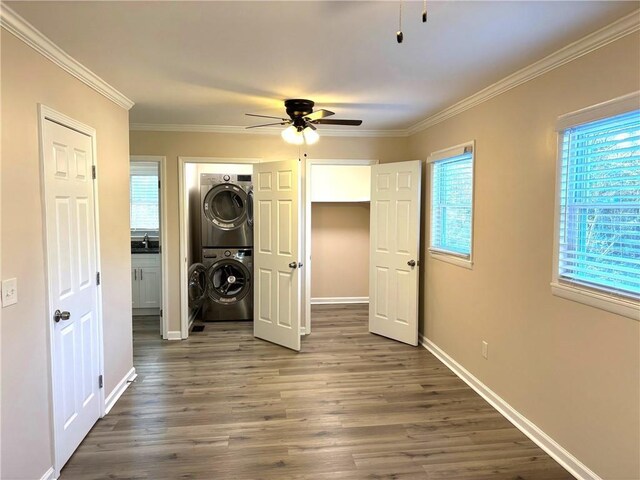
x=221, y=284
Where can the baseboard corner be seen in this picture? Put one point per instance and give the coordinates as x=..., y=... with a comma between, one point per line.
x=117, y=392
x=570, y=463
x=50, y=474
x=174, y=335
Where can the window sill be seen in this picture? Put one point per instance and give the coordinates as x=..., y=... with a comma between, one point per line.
x=453, y=259
x=626, y=308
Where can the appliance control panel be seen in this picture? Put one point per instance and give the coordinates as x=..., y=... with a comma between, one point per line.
x=214, y=178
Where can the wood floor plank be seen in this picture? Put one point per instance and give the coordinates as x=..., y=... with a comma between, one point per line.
x=352, y=405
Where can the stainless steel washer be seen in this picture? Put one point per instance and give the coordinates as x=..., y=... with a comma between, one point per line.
x=229, y=278
x=227, y=210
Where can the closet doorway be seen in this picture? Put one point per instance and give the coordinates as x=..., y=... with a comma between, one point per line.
x=336, y=238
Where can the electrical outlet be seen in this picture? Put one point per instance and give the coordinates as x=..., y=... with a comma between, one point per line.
x=9, y=292
x=485, y=349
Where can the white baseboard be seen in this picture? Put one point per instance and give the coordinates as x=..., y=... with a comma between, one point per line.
x=544, y=441
x=117, y=392
x=338, y=300
x=49, y=474
x=174, y=335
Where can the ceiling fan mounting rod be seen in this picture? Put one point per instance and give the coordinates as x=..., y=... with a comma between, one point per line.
x=298, y=107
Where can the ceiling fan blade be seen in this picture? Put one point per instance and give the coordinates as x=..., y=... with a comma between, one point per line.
x=331, y=121
x=265, y=116
x=318, y=114
x=268, y=124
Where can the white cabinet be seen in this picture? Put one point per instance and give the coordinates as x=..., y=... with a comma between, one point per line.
x=146, y=281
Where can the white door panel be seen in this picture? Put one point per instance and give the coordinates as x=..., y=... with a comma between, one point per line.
x=135, y=288
x=71, y=258
x=149, y=284
x=395, y=242
x=277, y=251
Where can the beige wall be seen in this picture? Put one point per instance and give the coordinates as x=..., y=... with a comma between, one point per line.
x=270, y=147
x=29, y=79
x=572, y=369
x=340, y=250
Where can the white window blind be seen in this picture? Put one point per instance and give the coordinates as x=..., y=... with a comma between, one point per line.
x=452, y=204
x=145, y=212
x=599, y=230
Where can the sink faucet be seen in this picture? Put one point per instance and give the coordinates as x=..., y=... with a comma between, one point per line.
x=145, y=241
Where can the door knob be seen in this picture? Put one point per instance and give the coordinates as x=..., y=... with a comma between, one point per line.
x=293, y=265
x=58, y=315
x=411, y=263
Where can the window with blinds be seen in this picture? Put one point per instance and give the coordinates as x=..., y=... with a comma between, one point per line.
x=599, y=218
x=145, y=211
x=452, y=202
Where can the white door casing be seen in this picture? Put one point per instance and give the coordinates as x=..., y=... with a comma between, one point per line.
x=276, y=268
x=71, y=247
x=394, y=247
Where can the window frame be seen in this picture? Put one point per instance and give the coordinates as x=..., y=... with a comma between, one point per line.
x=144, y=169
x=592, y=295
x=448, y=256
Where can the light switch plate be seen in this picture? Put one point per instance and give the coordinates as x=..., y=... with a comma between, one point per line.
x=9, y=292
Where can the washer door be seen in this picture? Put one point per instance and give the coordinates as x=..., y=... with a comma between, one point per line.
x=225, y=206
x=228, y=281
x=197, y=284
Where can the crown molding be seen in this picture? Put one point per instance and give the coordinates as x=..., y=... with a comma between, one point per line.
x=18, y=26
x=163, y=127
x=608, y=34
x=612, y=32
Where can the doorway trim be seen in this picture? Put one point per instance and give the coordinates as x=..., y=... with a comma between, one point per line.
x=46, y=113
x=184, y=295
x=164, y=262
x=309, y=162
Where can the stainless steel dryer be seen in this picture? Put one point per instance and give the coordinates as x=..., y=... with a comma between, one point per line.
x=227, y=210
x=229, y=277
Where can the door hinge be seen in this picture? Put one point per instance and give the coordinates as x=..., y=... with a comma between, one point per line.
x=160, y=312
x=98, y=278
x=93, y=171
x=158, y=184
x=100, y=382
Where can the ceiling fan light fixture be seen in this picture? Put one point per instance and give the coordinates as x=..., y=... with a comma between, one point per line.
x=310, y=135
x=292, y=135
x=302, y=121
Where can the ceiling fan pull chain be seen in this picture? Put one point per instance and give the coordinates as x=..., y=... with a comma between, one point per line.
x=399, y=34
x=424, y=11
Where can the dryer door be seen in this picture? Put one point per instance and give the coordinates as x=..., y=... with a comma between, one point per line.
x=228, y=281
x=225, y=206
x=197, y=285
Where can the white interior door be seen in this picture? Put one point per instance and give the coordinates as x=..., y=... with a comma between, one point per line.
x=276, y=268
x=71, y=263
x=394, y=248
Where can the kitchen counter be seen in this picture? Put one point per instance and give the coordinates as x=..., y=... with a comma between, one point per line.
x=138, y=247
x=137, y=250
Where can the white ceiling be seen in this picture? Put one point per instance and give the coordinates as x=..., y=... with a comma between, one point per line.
x=209, y=62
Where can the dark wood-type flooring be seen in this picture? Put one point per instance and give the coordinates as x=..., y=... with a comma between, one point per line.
x=351, y=405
